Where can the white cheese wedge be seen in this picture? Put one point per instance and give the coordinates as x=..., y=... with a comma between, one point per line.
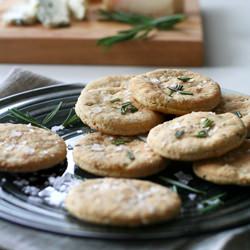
x=78, y=8
x=22, y=14
x=53, y=13
x=145, y=7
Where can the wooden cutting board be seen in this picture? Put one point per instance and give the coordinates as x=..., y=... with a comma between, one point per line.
x=76, y=44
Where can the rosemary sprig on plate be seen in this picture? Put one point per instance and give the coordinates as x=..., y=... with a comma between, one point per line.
x=210, y=203
x=142, y=26
x=180, y=185
x=52, y=114
x=25, y=117
x=71, y=119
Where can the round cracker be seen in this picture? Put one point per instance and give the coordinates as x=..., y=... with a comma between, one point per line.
x=238, y=104
x=24, y=148
x=105, y=110
x=110, y=82
x=127, y=157
x=189, y=138
x=231, y=168
x=196, y=92
x=122, y=202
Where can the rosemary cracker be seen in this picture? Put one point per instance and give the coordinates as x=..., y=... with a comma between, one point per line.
x=111, y=110
x=116, y=156
x=24, y=148
x=122, y=202
x=237, y=104
x=175, y=91
x=203, y=135
x=232, y=168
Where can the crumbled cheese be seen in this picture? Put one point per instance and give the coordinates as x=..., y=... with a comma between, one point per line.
x=22, y=14
x=57, y=128
x=53, y=13
x=78, y=8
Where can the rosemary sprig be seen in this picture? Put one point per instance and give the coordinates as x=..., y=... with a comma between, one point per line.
x=128, y=107
x=238, y=113
x=52, y=114
x=25, y=117
x=142, y=26
x=211, y=203
x=120, y=141
x=123, y=17
x=181, y=185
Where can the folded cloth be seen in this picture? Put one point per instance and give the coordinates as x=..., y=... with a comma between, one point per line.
x=19, y=80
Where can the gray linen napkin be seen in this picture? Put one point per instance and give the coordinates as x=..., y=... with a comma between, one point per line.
x=19, y=80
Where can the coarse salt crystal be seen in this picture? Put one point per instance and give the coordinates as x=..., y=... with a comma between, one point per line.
x=184, y=178
x=15, y=133
x=97, y=147
x=57, y=128
x=192, y=196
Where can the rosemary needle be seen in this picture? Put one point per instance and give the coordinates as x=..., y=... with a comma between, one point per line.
x=181, y=185
x=25, y=117
x=70, y=119
x=52, y=114
x=141, y=26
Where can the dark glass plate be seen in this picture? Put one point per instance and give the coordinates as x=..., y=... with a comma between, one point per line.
x=20, y=208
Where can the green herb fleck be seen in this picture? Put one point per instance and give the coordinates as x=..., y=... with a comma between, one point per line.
x=184, y=78
x=202, y=134
x=130, y=155
x=179, y=133
x=181, y=185
x=176, y=88
x=128, y=107
x=115, y=100
x=120, y=141
x=208, y=123
x=238, y=113
x=185, y=93
x=211, y=203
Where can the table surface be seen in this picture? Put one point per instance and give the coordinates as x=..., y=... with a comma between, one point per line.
x=227, y=45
